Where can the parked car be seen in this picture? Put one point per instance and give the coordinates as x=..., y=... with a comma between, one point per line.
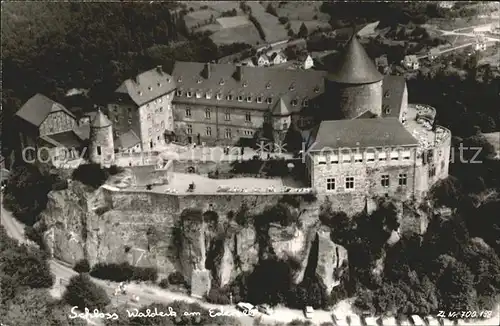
x=308, y=312
x=265, y=309
x=246, y=308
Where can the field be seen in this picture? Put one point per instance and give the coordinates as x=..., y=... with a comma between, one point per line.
x=301, y=10
x=199, y=18
x=245, y=34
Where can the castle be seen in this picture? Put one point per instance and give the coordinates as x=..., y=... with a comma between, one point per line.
x=361, y=135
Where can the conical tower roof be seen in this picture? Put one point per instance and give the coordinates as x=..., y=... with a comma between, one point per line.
x=100, y=120
x=281, y=108
x=354, y=66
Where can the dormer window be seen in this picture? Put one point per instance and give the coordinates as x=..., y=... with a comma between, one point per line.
x=387, y=109
x=208, y=95
x=168, y=80
x=245, y=84
x=150, y=88
x=179, y=80
x=178, y=92
x=229, y=97
x=292, y=87
x=159, y=84
x=218, y=96
x=316, y=89
x=294, y=102
x=222, y=82
x=386, y=94
x=269, y=100
x=199, y=81
x=240, y=98
x=305, y=103
x=140, y=93
x=268, y=85
x=198, y=94
x=189, y=93
x=249, y=99
x=259, y=99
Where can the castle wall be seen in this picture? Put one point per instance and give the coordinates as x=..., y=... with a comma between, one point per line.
x=102, y=147
x=123, y=116
x=354, y=100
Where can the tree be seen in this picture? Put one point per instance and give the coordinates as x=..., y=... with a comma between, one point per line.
x=270, y=9
x=283, y=20
x=26, y=193
x=303, y=32
x=447, y=192
x=82, y=266
x=83, y=293
x=91, y=174
x=456, y=288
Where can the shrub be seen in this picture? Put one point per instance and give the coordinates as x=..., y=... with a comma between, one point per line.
x=176, y=278
x=218, y=296
x=113, y=169
x=283, y=20
x=91, y=175
x=82, y=266
x=292, y=200
x=123, y=272
x=258, y=26
x=164, y=284
x=36, y=235
x=270, y=10
x=83, y=293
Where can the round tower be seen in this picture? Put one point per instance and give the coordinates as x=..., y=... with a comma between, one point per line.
x=354, y=84
x=102, y=147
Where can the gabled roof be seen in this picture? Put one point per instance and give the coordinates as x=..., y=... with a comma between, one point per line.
x=281, y=108
x=100, y=120
x=354, y=66
x=147, y=86
x=128, y=140
x=37, y=108
x=256, y=82
x=68, y=139
x=362, y=133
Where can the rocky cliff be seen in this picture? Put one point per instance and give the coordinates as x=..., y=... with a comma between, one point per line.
x=91, y=224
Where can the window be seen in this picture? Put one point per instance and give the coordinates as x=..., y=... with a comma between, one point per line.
x=240, y=98
x=229, y=97
x=208, y=95
x=178, y=92
x=358, y=158
x=98, y=150
x=268, y=85
x=221, y=82
x=209, y=131
x=306, y=103
x=249, y=99
x=432, y=171
x=292, y=87
x=160, y=109
x=189, y=93
x=321, y=160
x=269, y=100
x=330, y=184
x=346, y=158
x=406, y=155
x=219, y=96
x=188, y=113
x=370, y=157
x=163, y=125
x=248, y=117
x=382, y=156
x=334, y=159
x=349, y=182
x=285, y=125
x=149, y=116
x=385, y=180
x=259, y=99
x=151, y=144
x=207, y=113
x=294, y=102
x=394, y=156
x=227, y=115
x=198, y=94
x=402, y=179
x=189, y=129
x=228, y=133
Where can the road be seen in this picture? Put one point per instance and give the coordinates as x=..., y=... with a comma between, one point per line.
x=149, y=294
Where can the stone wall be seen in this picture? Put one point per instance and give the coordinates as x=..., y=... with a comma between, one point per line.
x=354, y=100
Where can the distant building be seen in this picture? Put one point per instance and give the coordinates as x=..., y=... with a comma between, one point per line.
x=446, y=4
x=480, y=44
x=307, y=62
x=411, y=62
x=277, y=58
x=433, y=54
x=263, y=61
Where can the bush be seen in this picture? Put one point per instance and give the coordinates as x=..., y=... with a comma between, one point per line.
x=83, y=293
x=123, y=272
x=258, y=26
x=176, y=278
x=82, y=266
x=91, y=175
x=218, y=296
x=283, y=20
x=36, y=235
x=113, y=170
x=164, y=284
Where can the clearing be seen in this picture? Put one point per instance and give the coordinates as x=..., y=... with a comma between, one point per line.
x=244, y=34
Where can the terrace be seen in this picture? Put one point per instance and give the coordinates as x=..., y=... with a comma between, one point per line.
x=419, y=120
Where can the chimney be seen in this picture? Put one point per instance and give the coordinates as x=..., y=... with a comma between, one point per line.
x=159, y=69
x=238, y=74
x=206, y=71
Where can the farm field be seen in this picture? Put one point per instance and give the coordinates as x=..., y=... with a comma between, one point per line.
x=244, y=34
x=200, y=18
x=301, y=10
